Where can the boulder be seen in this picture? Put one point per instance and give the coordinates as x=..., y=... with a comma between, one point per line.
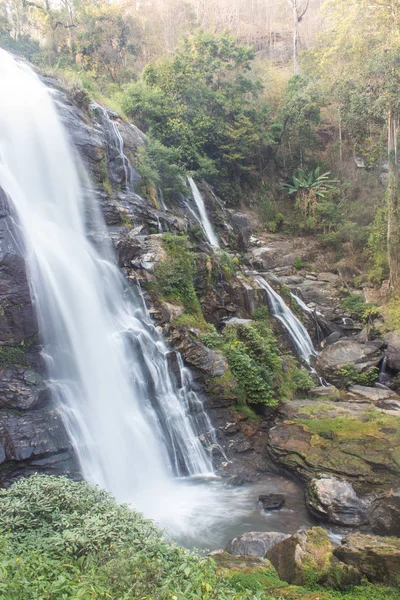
x=377, y=558
x=254, y=543
x=381, y=397
x=384, y=514
x=347, y=352
x=351, y=441
x=393, y=350
x=272, y=501
x=328, y=277
x=241, y=224
x=335, y=500
x=308, y=557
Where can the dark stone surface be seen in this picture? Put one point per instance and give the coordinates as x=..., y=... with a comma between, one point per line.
x=384, y=514
x=271, y=501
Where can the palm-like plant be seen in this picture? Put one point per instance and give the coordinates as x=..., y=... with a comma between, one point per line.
x=309, y=186
x=314, y=180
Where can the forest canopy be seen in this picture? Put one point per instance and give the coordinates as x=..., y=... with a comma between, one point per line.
x=257, y=97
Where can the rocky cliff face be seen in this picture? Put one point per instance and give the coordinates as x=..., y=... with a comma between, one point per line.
x=32, y=436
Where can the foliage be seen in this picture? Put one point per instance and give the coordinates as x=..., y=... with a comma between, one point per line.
x=392, y=314
x=174, y=275
x=62, y=540
x=158, y=166
x=300, y=114
x=202, y=102
x=355, y=304
x=298, y=263
x=354, y=377
x=377, y=247
x=309, y=187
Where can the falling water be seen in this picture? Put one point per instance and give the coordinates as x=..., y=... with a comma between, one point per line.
x=118, y=142
x=204, y=220
x=135, y=430
x=295, y=328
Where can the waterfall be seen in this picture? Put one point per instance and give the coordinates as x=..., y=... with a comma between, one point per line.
x=118, y=143
x=295, y=328
x=204, y=220
x=134, y=427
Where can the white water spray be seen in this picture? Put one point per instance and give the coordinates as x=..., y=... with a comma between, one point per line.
x=295, y=328
x=204, y=220
x=135, y=430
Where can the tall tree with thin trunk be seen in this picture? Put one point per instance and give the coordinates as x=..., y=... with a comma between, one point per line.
x=299, y=9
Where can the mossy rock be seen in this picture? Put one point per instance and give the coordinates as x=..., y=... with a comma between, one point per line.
x=306, y=558
x=353, y=441
x=377, y=558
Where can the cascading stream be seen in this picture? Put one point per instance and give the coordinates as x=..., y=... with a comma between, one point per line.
x=133, y=428
x=204, y=220
x=295, y=328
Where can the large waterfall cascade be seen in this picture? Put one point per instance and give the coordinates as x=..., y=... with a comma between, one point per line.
x=134, y=429
x=204, y=219
x=295, y=328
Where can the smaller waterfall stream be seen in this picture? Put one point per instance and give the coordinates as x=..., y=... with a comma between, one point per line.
x=118, y=142
x=295, y=328
x=204, y=220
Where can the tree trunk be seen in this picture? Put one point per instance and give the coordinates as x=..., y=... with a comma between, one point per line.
x=295, y=39
x=393, y=207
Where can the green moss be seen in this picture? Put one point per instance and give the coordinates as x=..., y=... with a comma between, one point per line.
x=13, y=355
x=193, y=321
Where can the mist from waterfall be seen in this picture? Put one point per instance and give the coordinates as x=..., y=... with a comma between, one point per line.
x=134, y=428
x=204, y=219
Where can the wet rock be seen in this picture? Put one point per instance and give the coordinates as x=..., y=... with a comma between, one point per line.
x=308, y=555
x=393, y=350
x=32, y=434
x=347, y=352
x=377, y=558
x=384, y=514
x=22, y=389
x=335, y=500
x=206, y=361
x=272, y=501
x=254, y=543
x=242, y=227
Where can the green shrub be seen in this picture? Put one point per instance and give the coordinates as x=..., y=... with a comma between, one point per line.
x=355, y=304
x=14, y=355
x=174, y=276
x=64, y=540
x=353, y=377
x=298, y=263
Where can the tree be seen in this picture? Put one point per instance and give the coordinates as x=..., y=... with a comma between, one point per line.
x=204, y=101
x=299, y=9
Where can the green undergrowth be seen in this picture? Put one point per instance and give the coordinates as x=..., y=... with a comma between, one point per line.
x=353, y=377
x=174, y=280
x=66, y=540
x=263, y=377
